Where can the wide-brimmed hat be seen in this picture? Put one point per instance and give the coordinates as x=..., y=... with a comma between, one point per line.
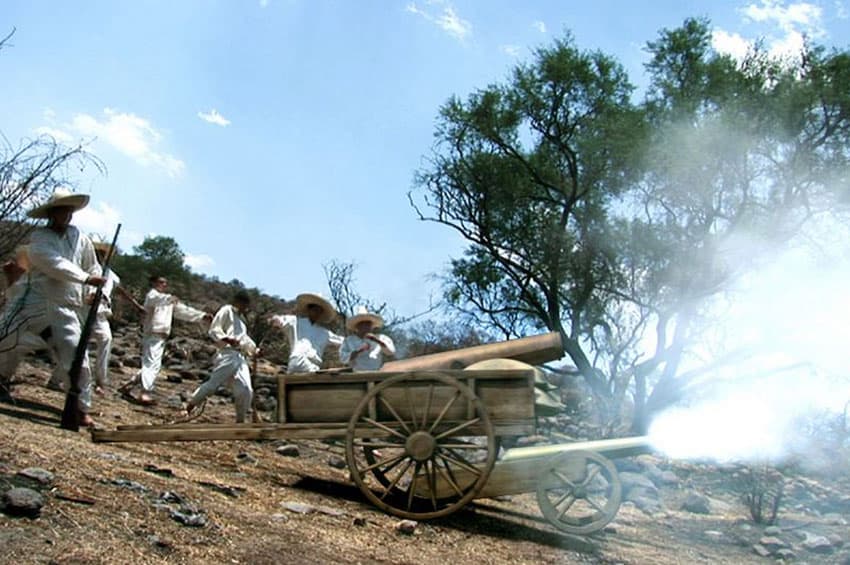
x=103, y=247
x=363, y=315
x=303, y=300
x=60, y=197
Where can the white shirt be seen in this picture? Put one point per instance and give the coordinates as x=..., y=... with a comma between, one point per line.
x=370, y=360
x=229, y=323
x=160, y=307
x=67, y=260
x=306, y=339
x=105, y=306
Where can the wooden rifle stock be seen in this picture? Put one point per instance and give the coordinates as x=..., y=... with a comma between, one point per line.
x=71, y=412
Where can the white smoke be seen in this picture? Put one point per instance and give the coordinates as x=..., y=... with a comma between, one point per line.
x=793, y=317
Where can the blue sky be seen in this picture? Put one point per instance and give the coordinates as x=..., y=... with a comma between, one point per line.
x=269, y=137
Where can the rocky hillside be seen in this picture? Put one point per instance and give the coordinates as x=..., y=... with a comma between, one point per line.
x=67, y=500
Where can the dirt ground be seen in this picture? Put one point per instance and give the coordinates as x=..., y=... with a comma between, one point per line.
x=112, y=503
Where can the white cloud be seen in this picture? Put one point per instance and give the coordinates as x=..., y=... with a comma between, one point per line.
x=198, y=262
x=128, y=133
x=98, y=219
x=213, y=117
x=539, y=26
x=788, y=26
x=800, y=16
x=730, y=43
x=264, y=3
x=57, y=134
x=448, y=20
x=512, y=50
x=841, y=11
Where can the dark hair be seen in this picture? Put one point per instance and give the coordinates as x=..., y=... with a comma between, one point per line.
x=242, y=296
x=153, y=278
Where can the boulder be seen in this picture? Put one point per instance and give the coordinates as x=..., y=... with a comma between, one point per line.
x=20, y=501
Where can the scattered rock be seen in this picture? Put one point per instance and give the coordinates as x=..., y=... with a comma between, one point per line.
x=277, y=517
x=358, y=521
x=640, y=484
x=328, y=511
x=288, y=450
x=761, y=550
x=244, y=457
x=189, y=517
x=174, y=378
x=697, y=503
x=161, y=471
x=818, y=544
x=37, y=474
x=20, y=501
x=772, y=531
x=713, y=535
x=786, y=554
x=232, y=492
x=131, y=485
x=298, y=507
x=772, y=543
x=407, y=527
x=158, y=542
x=337, y=462
x=835, y=540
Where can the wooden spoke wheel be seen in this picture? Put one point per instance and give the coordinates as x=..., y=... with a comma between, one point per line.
x=579, y=492
x=420, y=446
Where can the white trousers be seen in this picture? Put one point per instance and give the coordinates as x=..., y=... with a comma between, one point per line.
x=152, y=348
x=102, y=336
x=229, y=367
x=66, y=324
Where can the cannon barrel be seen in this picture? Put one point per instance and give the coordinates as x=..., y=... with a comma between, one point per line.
x=533, y=350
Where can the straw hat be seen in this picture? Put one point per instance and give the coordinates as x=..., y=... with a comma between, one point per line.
x=103, y=247
x=60, y=197
x=303, y=300
x=363, y=315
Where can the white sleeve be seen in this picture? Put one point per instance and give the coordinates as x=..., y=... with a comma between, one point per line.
x=387, y=345
x=46, y=258
x=335, y=340
x=282, y=321
x=187, y=313
x=220, y=325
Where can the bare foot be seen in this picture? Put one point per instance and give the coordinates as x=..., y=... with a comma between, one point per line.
x=86, y=420
x=145, y=399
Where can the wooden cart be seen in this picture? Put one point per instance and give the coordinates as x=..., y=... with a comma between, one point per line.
x=405, y=433
x=423, y=444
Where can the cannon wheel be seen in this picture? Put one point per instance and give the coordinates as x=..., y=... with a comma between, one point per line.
x=579, y=492
x=398, y=467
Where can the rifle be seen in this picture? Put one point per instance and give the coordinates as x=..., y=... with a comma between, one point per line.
x=71, y=412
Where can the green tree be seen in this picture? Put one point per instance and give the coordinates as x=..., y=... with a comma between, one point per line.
x=611, y=222
x=155, y=256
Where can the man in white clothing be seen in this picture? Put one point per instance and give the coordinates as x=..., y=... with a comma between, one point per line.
x=66, y=257
x=102, y=332
x=23, y=320
x=364, y=350
x=230, y=365
x=160, y=307
x=307, y=337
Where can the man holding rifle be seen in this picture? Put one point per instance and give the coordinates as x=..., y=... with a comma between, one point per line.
x=66, y=257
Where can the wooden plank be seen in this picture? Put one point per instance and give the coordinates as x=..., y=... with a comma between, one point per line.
x=281, y=400
x=507, y=395
x=235, y=432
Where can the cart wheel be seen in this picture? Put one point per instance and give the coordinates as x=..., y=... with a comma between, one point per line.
x=412, y=449
x=579, y=492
